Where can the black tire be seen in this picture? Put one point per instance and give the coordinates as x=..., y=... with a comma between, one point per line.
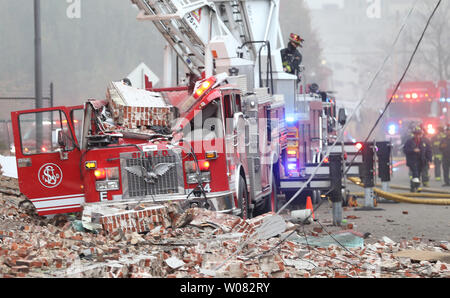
x=243, y=199
x=271, y=202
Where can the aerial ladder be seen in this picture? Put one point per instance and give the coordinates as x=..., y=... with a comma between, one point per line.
x=216, y=36
x=244, y=38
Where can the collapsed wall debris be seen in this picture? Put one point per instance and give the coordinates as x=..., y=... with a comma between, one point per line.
x=192, y=243
x=132, y=108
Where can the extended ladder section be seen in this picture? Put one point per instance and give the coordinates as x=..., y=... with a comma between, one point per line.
x=234, y=15
x=172, y=18
x=189, y=26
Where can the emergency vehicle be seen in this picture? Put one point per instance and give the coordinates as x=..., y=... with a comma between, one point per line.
x=218, y=140
x=414, y=103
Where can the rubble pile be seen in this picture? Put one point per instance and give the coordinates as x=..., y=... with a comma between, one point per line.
x=198, y=243
x=136, y=109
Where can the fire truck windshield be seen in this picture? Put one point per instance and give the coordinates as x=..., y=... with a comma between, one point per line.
x=206, y=125
x=422, y=109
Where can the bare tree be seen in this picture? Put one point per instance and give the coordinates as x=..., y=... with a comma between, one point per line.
x=434, y=55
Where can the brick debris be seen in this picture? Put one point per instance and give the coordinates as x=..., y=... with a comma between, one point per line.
x=168, y=242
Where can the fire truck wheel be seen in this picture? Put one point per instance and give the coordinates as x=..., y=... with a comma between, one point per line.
x=272, y=200
x=243, y=199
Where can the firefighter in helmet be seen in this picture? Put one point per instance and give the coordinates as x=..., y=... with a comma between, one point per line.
x=291, y=57
x=437, y=154
x=444, y=146
x=419, y=155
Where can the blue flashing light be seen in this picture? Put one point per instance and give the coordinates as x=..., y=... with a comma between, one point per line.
x=290, y=119
x=292, y=166
x=392, y=129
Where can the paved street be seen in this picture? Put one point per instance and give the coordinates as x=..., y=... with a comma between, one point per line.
x=398, y=221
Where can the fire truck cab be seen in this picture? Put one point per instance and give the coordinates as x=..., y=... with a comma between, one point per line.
x=414, y=103
x=220, y=140
x=212, y=154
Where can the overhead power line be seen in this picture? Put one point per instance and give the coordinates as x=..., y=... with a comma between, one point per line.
x=398, y=83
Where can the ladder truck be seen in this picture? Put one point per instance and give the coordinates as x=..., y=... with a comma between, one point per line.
x=216, y=141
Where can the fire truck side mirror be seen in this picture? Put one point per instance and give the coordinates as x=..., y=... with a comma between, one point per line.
x=342, y=116
x=62, y=142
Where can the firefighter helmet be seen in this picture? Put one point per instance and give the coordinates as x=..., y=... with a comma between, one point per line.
x=296, y=39
x=417, y=130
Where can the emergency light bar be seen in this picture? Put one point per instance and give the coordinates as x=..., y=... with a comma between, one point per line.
x=204, y=87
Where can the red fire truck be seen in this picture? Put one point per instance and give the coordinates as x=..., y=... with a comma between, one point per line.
x=118, y=154
x=219, y=140
x=444, y=99
x=414, y=103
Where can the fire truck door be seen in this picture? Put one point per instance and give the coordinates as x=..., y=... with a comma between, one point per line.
x=48, y=159
x=235, y=133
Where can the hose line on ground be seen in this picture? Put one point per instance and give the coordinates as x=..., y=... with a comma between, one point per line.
x=400, y=198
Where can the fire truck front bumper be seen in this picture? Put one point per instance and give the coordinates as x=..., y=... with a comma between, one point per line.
x=218, y=201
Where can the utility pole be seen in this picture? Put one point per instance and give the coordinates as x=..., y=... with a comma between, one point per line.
x=38, y=73
x=37, y=54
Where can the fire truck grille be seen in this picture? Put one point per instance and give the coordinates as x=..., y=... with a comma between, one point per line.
x=153, y=175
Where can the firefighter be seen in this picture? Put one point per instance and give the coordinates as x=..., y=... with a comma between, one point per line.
x=444, y=146
x=418, y=157
x=437, y=154
x=291, y=57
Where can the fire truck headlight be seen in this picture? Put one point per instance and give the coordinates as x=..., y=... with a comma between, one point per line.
x=101, y=186
x=206, y=177
x=191, y=171
x=113, y=185
x=192, y=177
x=106, y=185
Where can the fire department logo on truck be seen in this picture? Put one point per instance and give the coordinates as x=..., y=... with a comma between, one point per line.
x=50, y=175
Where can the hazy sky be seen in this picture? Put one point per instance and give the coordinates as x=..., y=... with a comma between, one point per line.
x=315, y=4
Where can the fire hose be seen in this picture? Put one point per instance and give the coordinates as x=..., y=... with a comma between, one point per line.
x=401, y=198
x=411, y=194
x=425, y=189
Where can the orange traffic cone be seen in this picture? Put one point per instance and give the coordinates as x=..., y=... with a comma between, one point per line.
x=310, y=206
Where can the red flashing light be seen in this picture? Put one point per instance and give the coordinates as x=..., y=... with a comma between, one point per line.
x=408, y=95
x=100, y=174
x=204, y=165
x=205, y=86
x=43, y=149
x=359, y=146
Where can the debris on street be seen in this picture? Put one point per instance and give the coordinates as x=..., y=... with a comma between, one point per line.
x=169, y=242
